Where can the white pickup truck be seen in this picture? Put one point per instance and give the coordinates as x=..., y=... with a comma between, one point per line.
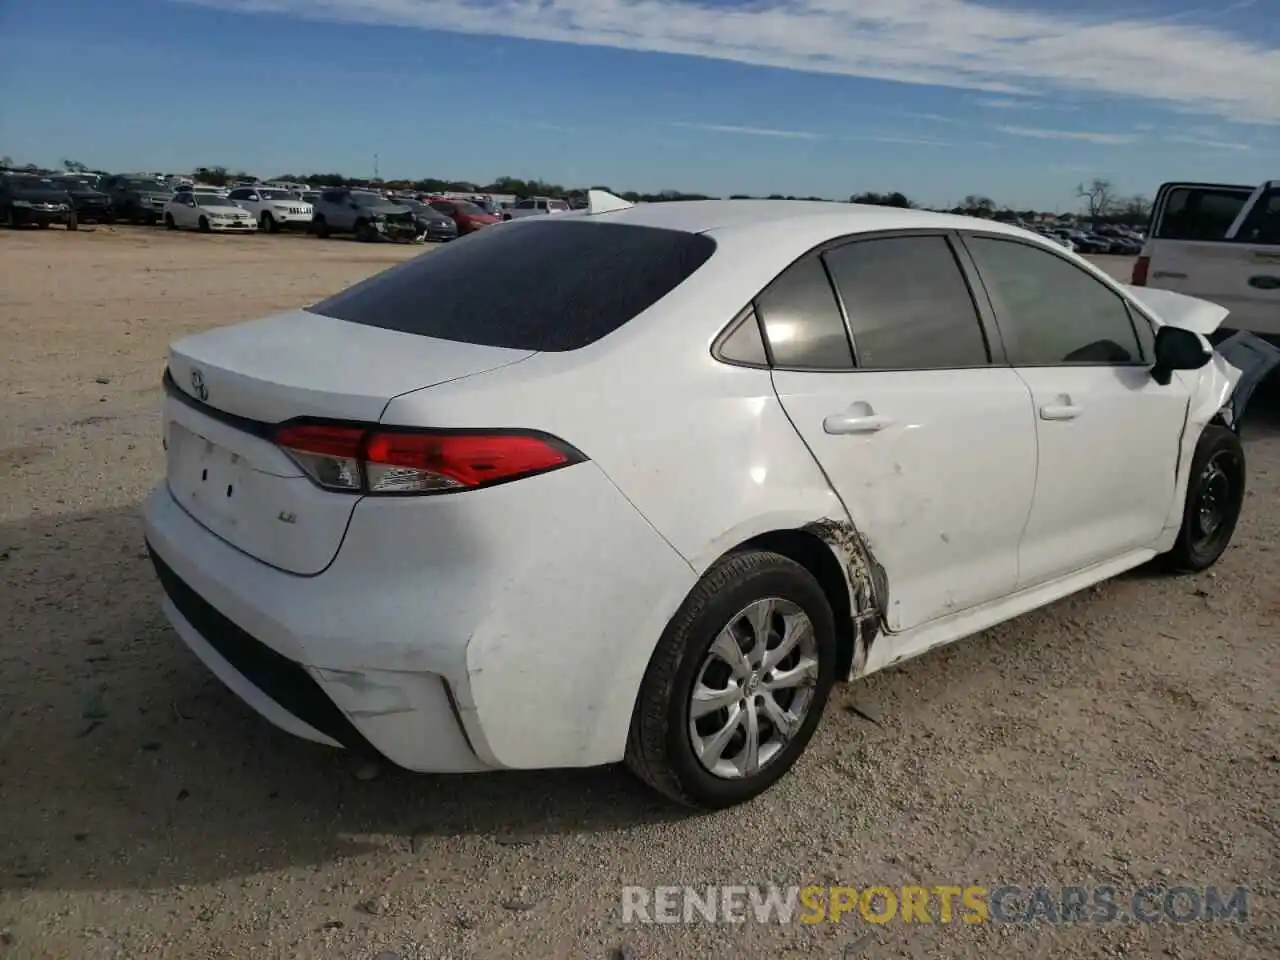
x=1219, y=242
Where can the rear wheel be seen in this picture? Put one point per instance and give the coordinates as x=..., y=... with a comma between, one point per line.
x=169, y=222
x=11, y=219
x=1215, y=497
x=737, y=684
x=72, y=222
x=320, y=226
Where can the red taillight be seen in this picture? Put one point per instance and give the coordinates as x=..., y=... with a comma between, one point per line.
x=1140, y=268
x=373, y=460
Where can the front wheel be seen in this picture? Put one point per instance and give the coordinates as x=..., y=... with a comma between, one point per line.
x=268, y=224
x=737, y=684
x=204, y=224
x=169, y=222
x=320, y=226
x=1215, y=497
x=73, y=223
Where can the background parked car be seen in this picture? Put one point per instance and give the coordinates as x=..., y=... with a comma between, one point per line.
x=28, y=199
x=536, y=206
x=468, y=216
x=369, y=215
x=207, y=212
x=432, y=224
x=275, y=208
x=136, y=199
x=90, y=205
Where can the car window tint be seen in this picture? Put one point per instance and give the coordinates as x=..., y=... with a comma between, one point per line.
x=802, y=321
x=742, y=341
x=908, y=305
x=1263, y=223
x=541, y=284
x=1199, y=213
x=1051, y=311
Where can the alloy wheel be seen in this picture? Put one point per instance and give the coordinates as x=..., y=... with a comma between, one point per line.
x=754, y=689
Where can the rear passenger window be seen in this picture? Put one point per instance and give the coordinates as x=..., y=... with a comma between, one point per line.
x=802, y=321
x=1050, y=311
x=1199, y=213
x=908, y=305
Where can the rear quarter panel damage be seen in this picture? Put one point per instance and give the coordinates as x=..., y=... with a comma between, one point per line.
x=867, y=581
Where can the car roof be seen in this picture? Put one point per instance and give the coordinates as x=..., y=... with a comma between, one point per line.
x=792, y=222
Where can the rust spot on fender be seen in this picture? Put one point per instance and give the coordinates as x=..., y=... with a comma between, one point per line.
x=868, y=582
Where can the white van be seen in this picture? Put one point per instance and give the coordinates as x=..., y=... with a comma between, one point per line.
x=1219, y=242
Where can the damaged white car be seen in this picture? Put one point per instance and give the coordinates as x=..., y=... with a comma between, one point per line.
x=643, y=482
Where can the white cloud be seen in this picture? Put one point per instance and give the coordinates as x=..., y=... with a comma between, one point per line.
x=751, y=131
x=915, y=141
x=1004, y=103
x=1090, y=136
x=1190, y=64
x=1210, y=143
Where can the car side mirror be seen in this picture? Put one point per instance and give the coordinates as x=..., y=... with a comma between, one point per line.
x=1177, y=349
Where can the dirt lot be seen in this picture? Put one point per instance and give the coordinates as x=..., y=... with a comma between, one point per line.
x=1123, y=736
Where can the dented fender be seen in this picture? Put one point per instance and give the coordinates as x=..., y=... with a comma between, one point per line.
x=1239, y=364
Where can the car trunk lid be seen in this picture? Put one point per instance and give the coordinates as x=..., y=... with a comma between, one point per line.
x=228, y=390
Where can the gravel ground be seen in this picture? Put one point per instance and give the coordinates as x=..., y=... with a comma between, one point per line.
x=1122, y=736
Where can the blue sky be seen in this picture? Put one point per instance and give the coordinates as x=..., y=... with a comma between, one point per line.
x=1015, y=99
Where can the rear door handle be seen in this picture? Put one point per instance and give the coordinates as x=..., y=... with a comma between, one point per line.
x=846, y=423
x=1060, y=411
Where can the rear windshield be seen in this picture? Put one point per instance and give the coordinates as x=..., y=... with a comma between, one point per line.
x=1200, y=213
x=547, y=285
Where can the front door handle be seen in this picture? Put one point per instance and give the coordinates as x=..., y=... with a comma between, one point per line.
x=1060, y=411
x=847, y=423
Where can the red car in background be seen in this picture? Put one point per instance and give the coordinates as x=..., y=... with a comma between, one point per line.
x=468, y=216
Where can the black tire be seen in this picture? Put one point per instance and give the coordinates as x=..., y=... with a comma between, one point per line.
x=72, y=222
x=364, y=231
x=321, y=227
x=1215, y=497
x=169, y=222
x=268, y=224
x=204, y=224
x=11, y=219
x=659, y=746
x=42, y=224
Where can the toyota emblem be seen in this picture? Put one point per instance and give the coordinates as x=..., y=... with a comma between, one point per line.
x=197, y=384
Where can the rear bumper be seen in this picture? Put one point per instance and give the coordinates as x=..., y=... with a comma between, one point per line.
x=465, y=634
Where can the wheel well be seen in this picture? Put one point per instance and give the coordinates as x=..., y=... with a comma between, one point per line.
x=814, y=555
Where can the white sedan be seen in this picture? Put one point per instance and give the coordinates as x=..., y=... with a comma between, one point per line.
x=697, y=462
x=207, y=212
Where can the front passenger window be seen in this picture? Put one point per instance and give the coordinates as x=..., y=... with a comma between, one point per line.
x=1051, y=312
x=1263, y=223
